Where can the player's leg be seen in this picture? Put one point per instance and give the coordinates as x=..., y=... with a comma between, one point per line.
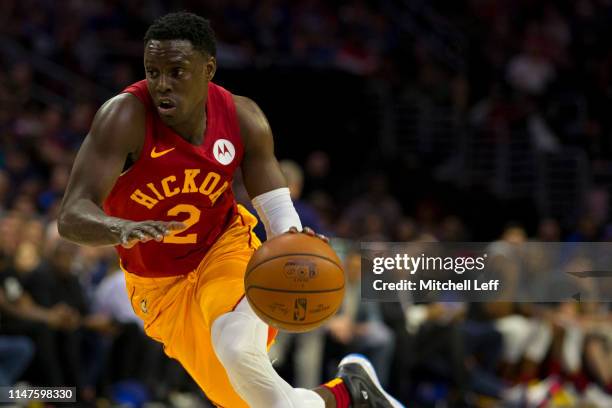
x=237, y=370
x=239, y=339
x=196, y=318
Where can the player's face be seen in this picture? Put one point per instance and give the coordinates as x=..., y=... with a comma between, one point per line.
x=177, y=78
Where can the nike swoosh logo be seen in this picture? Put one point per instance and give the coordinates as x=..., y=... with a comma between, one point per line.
x=155, y=154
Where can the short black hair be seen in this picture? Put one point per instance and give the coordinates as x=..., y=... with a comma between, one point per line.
x=184, y=26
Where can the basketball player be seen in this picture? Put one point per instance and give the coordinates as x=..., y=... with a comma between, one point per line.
x=153, y=178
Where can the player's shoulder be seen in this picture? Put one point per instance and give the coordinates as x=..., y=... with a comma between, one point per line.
x=254, y=126
x=121, y=105
x=246, y=106
x=124, y=109
x=120, y=120
x=249, y=114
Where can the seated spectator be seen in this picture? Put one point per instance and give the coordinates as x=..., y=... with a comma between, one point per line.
x=375, y=201
x=598, y=348
x=54, y=285
x=21, y=315
x=16, y=353
x=359, y=326
x=295, y=181
x=120, y=356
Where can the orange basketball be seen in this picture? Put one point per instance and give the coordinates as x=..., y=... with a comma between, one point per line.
x=294, y=282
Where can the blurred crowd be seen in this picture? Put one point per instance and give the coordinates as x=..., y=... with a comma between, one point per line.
x=65, y=319
x=456, y=353
x=543, y=67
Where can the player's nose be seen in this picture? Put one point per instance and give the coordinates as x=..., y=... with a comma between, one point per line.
x=163, y=85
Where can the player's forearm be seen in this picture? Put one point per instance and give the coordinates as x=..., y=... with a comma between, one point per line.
x=83, y=222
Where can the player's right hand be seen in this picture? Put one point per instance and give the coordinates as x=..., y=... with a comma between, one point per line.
x=132, y=232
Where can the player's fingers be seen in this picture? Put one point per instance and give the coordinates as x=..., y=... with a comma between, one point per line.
x=141, y=234
x=129, y=243
x=160, y=227
x=308, y=231
x=125, y=239
x=322, y=237
x=135, y=236
x=293, y=230
x=166, y=227
x=151, y=231
x=175, y=226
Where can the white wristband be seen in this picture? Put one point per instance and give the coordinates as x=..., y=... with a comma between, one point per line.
x=276, y=211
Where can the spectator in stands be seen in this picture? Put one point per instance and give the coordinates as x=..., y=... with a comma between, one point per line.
x=598, y=347
x=295, y=181
x=452, y=229
x=15, y=352
x=5, y=189
x=23, y=316
x=359, y=326
x=15, y=355
x=549, y=230
x=128, y=354
x=55, y=285
x=376, y=201
x=318, y=174
x=51, y=196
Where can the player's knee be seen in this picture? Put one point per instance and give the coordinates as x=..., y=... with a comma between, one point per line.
x=232, y=345
x=219, y=334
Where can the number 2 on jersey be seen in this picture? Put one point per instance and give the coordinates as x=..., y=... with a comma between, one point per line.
x=194, y=217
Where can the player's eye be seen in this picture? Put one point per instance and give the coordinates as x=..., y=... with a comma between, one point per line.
x=178, y=72
x=152, y=73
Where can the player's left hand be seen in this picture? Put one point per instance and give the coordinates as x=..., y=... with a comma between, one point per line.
x=309, y=231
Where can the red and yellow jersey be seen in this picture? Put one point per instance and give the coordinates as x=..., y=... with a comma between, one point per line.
x=173, y=180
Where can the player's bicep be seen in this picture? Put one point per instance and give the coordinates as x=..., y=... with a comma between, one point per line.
x=261, y=173
x=260, y=169
x=114, y=134
x=94, y=172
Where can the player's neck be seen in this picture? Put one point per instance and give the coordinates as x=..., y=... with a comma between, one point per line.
x=193, y=129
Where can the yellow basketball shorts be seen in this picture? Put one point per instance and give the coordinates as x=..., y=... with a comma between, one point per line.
x=178, y=311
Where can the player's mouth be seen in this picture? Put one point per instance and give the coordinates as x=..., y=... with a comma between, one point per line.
x=166, y=106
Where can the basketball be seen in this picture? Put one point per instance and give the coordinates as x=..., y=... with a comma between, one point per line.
x=294, y=282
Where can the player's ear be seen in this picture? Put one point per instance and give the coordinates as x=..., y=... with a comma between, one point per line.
x=210, y=68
